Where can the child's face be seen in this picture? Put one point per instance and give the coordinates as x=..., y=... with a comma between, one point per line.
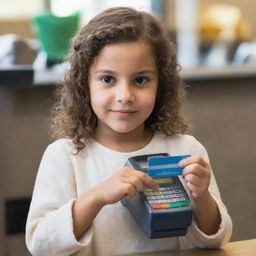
x=123, y=84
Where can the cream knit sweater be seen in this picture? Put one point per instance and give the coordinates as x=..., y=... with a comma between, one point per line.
x=63, y=176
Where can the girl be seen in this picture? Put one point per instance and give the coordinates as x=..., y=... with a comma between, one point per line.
x=121, y=97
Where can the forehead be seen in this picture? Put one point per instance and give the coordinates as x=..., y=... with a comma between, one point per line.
x=128, y=55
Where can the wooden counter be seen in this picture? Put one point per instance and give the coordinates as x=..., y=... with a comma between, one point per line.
x=241, y=248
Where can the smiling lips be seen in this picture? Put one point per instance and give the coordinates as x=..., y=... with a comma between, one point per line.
x=123, y=113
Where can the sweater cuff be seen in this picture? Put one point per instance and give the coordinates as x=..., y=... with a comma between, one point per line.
x=221, y=236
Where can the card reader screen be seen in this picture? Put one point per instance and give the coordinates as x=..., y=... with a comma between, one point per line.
x=164, y=180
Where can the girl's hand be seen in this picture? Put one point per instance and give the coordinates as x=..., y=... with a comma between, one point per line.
x=197, y=175
x=126, y=182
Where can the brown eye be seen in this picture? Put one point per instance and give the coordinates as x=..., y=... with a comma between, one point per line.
x=141, y=80
x=107, y=79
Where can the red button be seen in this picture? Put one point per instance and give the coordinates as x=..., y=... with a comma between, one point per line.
x=156, y=206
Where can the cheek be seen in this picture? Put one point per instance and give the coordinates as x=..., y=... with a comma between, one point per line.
x=99, y=100
x=148, y=101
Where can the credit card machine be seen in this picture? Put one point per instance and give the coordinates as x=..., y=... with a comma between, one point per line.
x=161, y=213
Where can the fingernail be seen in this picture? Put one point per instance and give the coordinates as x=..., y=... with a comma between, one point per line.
x=180, y=164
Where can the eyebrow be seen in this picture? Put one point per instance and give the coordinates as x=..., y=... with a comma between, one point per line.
x=142, y=72
x=104, y=71
x=145, y=72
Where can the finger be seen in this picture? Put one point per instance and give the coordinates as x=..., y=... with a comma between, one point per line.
x=129, y=190
x=195, y=192
x=193, y=159
x=133, y=177
x=136, y=182
x=148, y=181
x=195, y=180
x=195, y=169
x=192, y=188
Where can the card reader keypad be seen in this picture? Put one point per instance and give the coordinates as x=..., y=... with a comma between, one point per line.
x=166, y=197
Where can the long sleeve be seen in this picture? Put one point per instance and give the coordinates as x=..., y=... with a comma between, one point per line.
x=195, y=237
x=49, y=228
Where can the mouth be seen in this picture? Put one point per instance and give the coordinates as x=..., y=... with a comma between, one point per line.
x=123, y=113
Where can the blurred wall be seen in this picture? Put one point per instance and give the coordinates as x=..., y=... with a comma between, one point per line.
x=223, y=113
x=22, y=27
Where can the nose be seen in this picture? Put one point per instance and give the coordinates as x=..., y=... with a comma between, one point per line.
x=125, y=93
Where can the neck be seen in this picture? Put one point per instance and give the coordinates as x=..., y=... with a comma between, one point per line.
x=124, y=142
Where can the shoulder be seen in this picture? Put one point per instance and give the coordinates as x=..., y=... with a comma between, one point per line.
x=182, y=143
x=179, y=138
x=66, y=147
x=61, y=146
x=188, y=140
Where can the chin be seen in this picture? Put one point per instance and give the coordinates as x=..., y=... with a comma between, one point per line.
x=125, y=130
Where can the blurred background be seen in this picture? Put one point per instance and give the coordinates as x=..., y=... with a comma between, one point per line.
x=216, y=47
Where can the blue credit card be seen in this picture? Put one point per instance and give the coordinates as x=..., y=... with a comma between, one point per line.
x=164, y=166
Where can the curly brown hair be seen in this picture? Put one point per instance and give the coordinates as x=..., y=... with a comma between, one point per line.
x=73, y=116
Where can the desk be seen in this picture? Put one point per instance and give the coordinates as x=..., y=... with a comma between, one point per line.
x=241, y=248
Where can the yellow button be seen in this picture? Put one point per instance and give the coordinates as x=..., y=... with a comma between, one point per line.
x=165, y=205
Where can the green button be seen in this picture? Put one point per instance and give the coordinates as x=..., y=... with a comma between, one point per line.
x=183, y=204
x=174, y=205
